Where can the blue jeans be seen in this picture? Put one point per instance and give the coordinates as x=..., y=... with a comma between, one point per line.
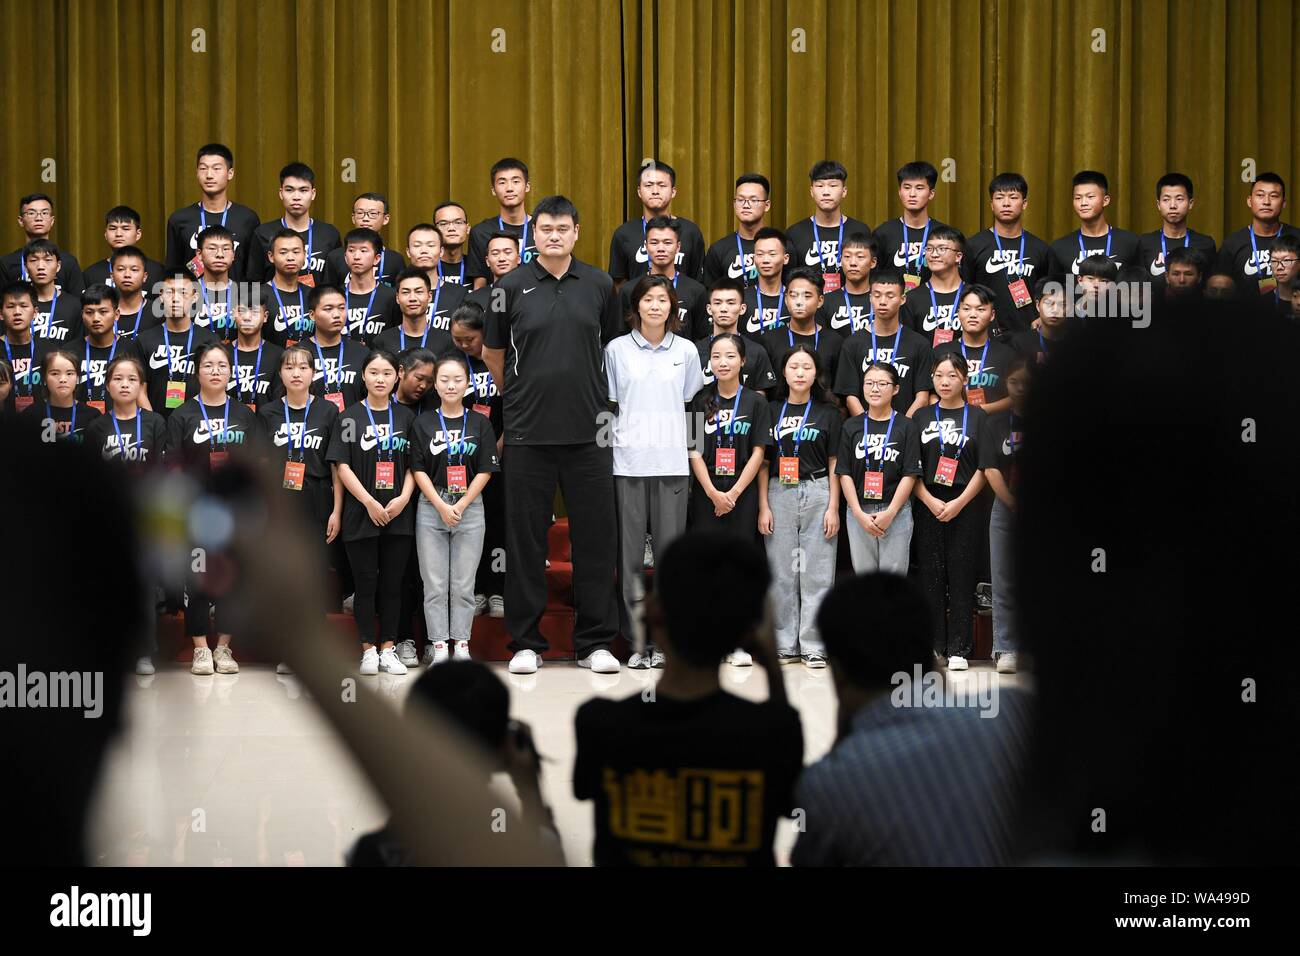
x=888, y=555
x=802, y=562
x=1001, y=556
x=448, y=564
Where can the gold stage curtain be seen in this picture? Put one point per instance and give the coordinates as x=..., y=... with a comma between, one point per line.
x=111, y=98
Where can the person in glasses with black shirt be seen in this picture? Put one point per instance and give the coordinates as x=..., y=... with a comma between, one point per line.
x=449, y=219
x=369, y=211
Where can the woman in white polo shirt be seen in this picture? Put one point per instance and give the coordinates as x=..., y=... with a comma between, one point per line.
x=653, y=373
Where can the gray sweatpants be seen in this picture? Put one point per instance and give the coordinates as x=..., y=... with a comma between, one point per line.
x=802, y=562
x=448, y=564
x=659, y=505
x=890, y=554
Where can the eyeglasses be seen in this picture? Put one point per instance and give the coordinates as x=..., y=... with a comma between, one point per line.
x=1288, y=261
x=743, y=201
x=931, y=250
x=38, y=214
x=876, y=386
x=368, y=215
x=214, y=367
x=444, y=223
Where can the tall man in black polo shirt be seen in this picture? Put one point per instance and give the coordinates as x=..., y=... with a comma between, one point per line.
x=36, y=217
x=546, y=348
x=215, y=168
x=629, y=257
x=510, y=186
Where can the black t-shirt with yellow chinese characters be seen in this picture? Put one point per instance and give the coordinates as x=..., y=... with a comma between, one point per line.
x=374, y=445
x=465, y=440
x=686, y=782
x=742, y=422
x=900, y=440
x=64, y=424
x=951, y=433
x=1000, y=444
x=814, y=439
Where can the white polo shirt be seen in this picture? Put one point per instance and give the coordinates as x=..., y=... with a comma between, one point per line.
x=651, y=384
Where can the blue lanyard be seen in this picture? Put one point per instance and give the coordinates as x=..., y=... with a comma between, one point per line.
x=1187, y=241
x=72, y=428
x=227, y=318
x=998, y=240
x=523, y=239
x=257, y=371
x=1011, y=435
x=938, y=419
x=462, y=272
x=325, y=368
x=53, y=303
x=1250, y=229
x=871, y=311
x=925, y=237
x=31, y=365
x=116, y=428
x=206, y=421
x=111, y=353
x=167, y=341
x=311, y=227
x=203, y=216
x=735, y=409
x=934, y=303
x=985, y=353
x=817, y=336
x=798, y=431
x=740, y=253
x=464, y=432
x=1042, y=343
x=1109, y=231
x=817, y=238
x=369, y=305
x=888, y=431
x=300, y=320
x=423, y=339
x=387, y=443
x=898, y=340
x=288, y=430
x=138, y=316
x=758, y=296
x=469, y=364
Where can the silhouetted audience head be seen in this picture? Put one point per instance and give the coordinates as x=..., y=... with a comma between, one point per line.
x=875, y=626
x=470, y=695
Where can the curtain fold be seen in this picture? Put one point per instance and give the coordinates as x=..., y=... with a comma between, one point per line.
x=110, y=98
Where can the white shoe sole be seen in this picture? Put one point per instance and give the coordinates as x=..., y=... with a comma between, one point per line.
x=524, y=668
x=586, y=662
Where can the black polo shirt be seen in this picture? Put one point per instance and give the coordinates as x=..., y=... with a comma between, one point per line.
x=553, y=332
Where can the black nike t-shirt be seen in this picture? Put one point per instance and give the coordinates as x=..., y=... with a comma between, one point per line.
x=287, y=320
x=388, y=265
x=553, y=332
x=846, y=312
x=993, y=261
x=69, y=278
x=692, y=300
x=903, y=248
x=92, y=366
x=148, y=316
x=468, y=440
x=255, y=379
x=1038, y=347
x=899, y=443
x=818, y=247
x=1152, y=252
x=818, y=439
x=628, y=259
x=185, y=224
x=169, y=357
x=138, y=442
x=101, y=273
x=69, y=424
x=484, y=391
x=338, y=369
x=1248, y=262
x=756, y=373
x=58, y=320
x=374, y=437
x=742, y=422
x=910, y=355
x=686, y=783
x=26, y=362
x=726, y=258
x=942, y=435
x=397, y=340
x=1069, y=253
x=764, y=312
x=480, y=233
x=215, y=313
x=193, y=437
x=1000, y=444
x=928, y=312
x=370, y=313
x=305, y=438
x=455, y=273
x=987, y=365
x=319, y=240
x=825, y=343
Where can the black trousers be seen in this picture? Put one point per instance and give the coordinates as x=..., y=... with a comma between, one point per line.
x=410, y=622
x=741, y=521
x=585, y=475
x=948, y=564
x=379, y=566
x=488, y=581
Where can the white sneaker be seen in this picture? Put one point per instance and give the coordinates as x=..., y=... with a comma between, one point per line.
x=406, y=653
x=480, y=605
x=348, y=602
x=600, y=662
x=435, y=653
x=496, y=606
x=202, y=662
x=389, y=663
x=225, y=661
x=370, y=662
x=739, y=658
x=1006, y=662
x=525, y=662
x=657, y=659
x=283, y=668
x=462, y=651
x=144, y=666
x=957, y=663
x=639, y=662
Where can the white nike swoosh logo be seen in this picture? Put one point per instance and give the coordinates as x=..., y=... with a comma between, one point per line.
x=157, y=361
x=533, y=289
x=281, y=439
